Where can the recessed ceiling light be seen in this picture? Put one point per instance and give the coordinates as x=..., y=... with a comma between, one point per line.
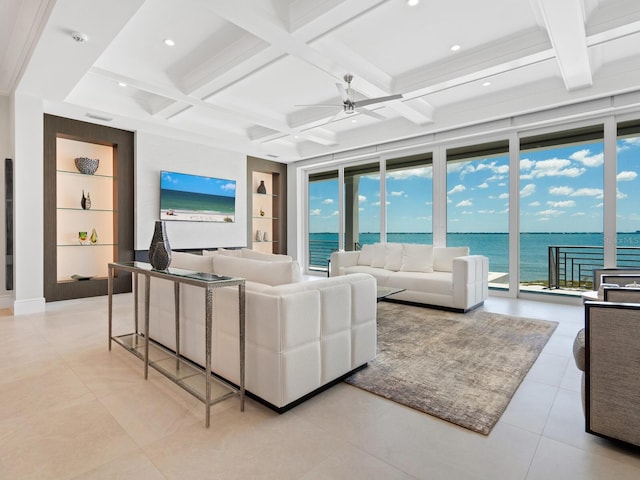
x=168, y=42
x=122, y=84
x=413, y=3
x=455, y=48
x=354, y=120
x=486, y=84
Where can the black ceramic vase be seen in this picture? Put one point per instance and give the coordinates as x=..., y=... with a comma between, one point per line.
x=261, y=187
x=160, y=250
x=83, y=201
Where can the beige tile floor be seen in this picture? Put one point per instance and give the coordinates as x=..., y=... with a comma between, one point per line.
x=70, y=409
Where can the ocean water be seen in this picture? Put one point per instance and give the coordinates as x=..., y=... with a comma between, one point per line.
x=196, y=202
x=534, y=247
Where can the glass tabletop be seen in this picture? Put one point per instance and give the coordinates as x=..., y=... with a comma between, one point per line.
x=177, y=272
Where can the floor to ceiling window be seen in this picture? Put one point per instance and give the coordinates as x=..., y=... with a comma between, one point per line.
x=478, y=204
x=561, y=209
x=361, y=205
x=323, y=218
x=409, y=191
x=628, y=195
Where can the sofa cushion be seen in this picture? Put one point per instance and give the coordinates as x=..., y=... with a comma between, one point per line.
x=189, y=261
x=381, y=275
x=379, y=255
x=393, y=256
x=439, y=283
x=366, y=255
x=443, y=257
x=417, y=258
x=269, y=273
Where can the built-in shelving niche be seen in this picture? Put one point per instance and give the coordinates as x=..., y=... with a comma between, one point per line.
x=110, y=190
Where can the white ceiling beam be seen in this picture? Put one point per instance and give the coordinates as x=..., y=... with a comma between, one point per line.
x=271, y=30
x=565, y=25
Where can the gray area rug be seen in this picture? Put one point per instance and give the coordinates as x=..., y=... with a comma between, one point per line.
x=463, y=368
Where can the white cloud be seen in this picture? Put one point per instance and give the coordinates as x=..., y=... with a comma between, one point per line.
x=503, y=196
x=422, y=172
x=315, y=211
x=529, y=189
x=578, y=214
x=327, y=201
x=588, y=192
x=465, y=203
x=229, y=186
x=336, y=213
x=483, y=185
x=526, y=164
x=457, y=189
x=620, y=195
x=562, y=204
x=583, y=157
x=397, y=194
x=626, y=176
x=564, y=190
x=635, y=141
x=535, y=204
x=556, y=167
x=550, y=213
x=362, y=198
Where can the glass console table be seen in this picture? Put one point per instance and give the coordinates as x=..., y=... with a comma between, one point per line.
x=200, y=383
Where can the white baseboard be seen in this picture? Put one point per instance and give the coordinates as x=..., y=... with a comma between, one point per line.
x=26, y=307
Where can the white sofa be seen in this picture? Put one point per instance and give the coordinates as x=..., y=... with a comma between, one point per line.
x=300, y=336
x=438, y=276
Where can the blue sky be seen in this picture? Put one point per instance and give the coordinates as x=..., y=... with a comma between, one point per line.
x=561, y=190
x=195, y=183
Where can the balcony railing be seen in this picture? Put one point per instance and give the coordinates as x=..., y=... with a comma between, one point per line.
x=320, y=252
x=571, y=266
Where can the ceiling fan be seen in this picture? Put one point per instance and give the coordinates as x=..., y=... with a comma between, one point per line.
x=349, y=105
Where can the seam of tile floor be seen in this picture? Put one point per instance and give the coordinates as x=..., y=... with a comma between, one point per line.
x=70, y=409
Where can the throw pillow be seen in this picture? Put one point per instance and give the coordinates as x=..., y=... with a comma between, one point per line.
x=379, y=255
x=417, y=258
x=366, y=255
x=443, y=257
x=393, y=257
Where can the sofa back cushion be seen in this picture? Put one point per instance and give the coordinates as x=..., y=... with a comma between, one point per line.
x=265, y=257
x=417, y=258
x=268, y=273
x=224, y=251
x=443, y=257
x=393, y=257
x=366, y=255
x=379, y=255
x=190, y=261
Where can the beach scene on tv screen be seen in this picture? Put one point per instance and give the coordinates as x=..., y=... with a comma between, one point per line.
x=196, y=198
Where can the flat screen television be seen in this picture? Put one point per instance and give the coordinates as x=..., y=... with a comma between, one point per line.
x=196, y=198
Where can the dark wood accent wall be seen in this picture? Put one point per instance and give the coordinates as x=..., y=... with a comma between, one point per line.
x=122, y=142
x=279, y=175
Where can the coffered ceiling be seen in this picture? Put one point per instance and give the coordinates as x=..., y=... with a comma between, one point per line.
x=239, y=70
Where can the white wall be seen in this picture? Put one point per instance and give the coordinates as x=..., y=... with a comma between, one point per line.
x=155, y=153
x=28, y=204
x=6, y=151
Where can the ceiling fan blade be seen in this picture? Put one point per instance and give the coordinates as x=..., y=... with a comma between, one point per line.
x=332, y=105
x=370, y=113
x=371, y=101
x=344, y=95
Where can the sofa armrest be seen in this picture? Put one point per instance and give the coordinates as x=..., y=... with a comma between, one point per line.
x=340, y=260
x=470, y=276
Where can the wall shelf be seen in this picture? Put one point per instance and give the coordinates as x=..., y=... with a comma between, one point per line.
x=110, y=190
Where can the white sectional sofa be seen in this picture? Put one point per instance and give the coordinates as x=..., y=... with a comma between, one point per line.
x=301, y=336
x=438, y=276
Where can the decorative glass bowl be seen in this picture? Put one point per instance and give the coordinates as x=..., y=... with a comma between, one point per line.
x=88, y=166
